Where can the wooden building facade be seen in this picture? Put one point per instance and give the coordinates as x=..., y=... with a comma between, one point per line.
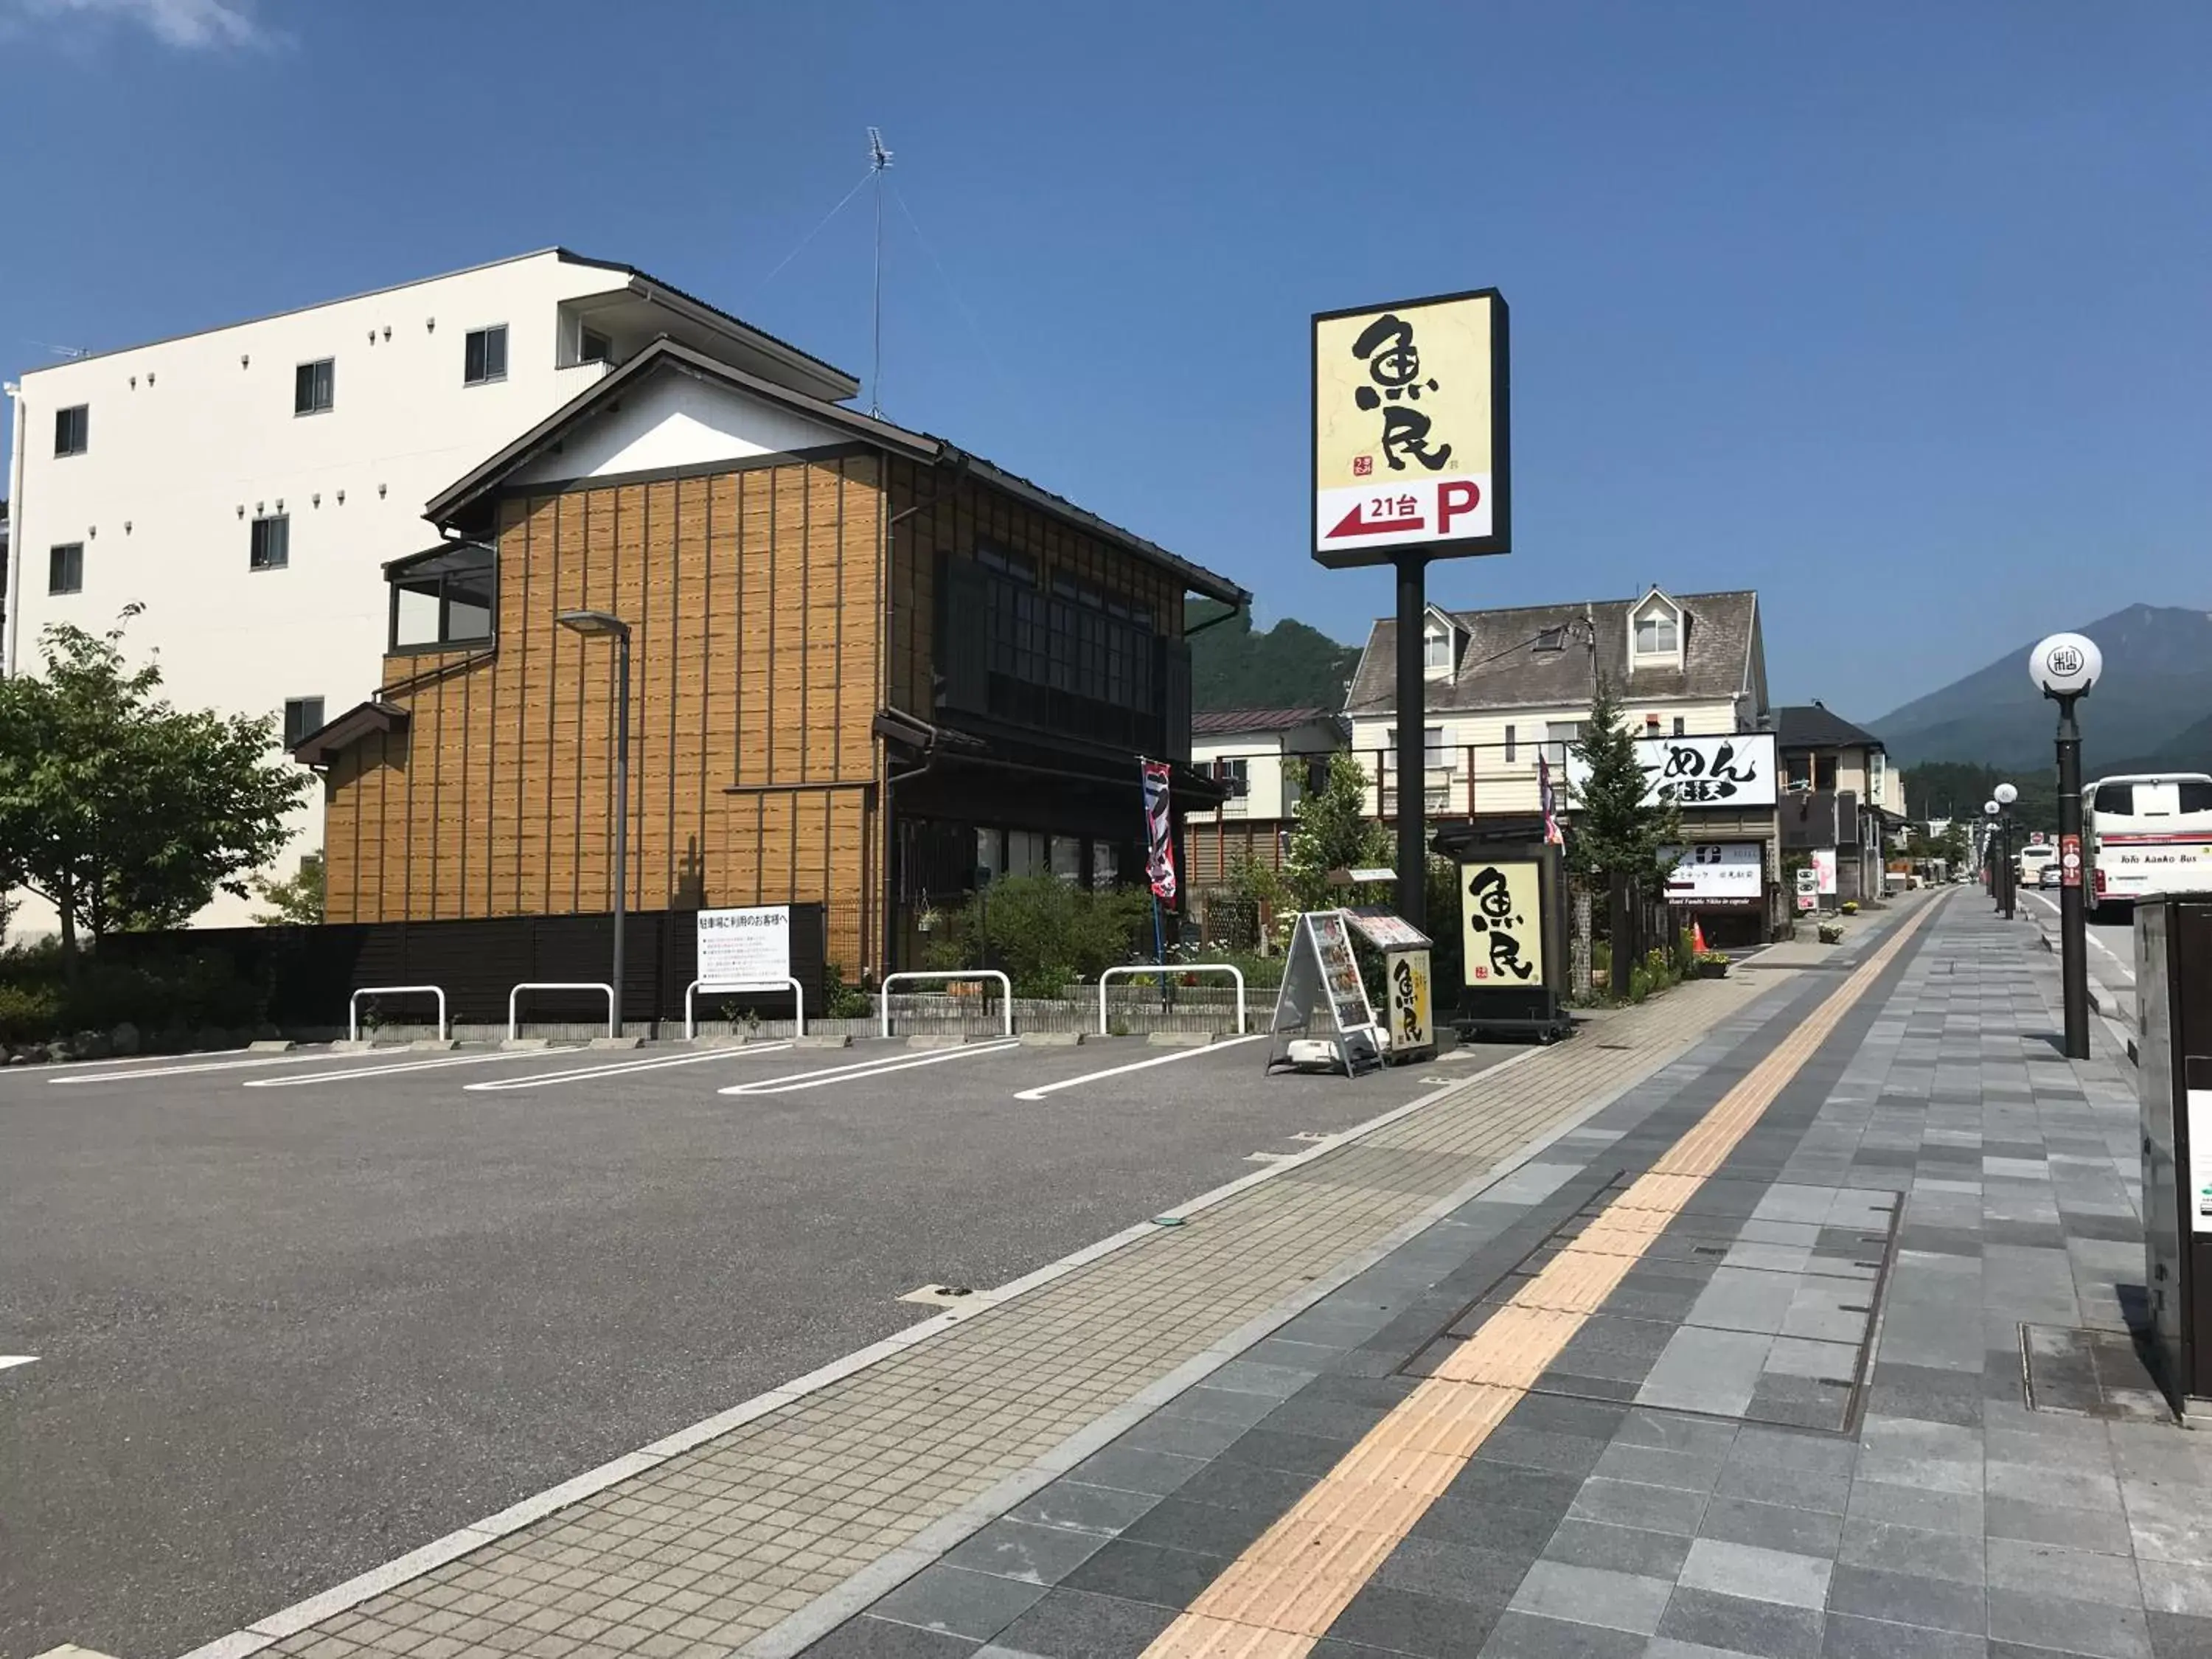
x=867, y=670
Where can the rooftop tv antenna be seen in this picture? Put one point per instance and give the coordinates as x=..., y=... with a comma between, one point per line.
x=879, y=161
x=68, y=353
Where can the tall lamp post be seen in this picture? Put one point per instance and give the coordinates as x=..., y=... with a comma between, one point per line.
x=604, y=624
x=2007, y=795
x=1989, y=811
x=2063, y=667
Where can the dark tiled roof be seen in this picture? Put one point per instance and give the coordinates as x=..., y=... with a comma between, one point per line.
x=1808, y=726
x=1219, y=721
x=1500, y=667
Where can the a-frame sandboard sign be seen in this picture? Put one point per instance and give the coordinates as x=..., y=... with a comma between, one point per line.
x=1322, y=1002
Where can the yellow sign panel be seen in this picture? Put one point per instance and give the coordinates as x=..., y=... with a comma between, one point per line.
x=1409, y=438
x=1413, y=1018
x=1502, y=911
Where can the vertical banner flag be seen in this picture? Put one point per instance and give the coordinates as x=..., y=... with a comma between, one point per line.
x=1159, y=837
x=1551, y=804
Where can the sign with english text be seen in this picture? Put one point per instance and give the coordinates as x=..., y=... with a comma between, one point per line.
x=744, y=949
x=1717, y=873
x=1735, y=770
x=1410, y=447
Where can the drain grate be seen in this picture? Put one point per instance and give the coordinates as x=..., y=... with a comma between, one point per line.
x=2088, y=1373
x=1759, y=1303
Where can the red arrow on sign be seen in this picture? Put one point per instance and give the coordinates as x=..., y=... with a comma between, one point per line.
x=1355, y=524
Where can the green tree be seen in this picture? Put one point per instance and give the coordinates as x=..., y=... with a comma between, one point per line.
x=121, y=810
x=1333, y=833
x=293, y=901
x=1615, y=831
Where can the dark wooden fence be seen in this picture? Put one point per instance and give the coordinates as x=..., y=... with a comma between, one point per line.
x=307, y=973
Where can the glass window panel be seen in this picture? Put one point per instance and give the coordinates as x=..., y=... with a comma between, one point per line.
x=416, y=621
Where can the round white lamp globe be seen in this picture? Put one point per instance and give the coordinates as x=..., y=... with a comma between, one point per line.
x=2006, y=794
x=1989, y=807
x=2065, y=665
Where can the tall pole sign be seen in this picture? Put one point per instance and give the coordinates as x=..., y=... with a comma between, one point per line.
x=1411, y=462
x=2064, y=667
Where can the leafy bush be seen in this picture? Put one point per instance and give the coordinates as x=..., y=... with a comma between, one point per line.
x=28, y=1013
x=1639, y=983
x=1043, y=932
x=843, y=1002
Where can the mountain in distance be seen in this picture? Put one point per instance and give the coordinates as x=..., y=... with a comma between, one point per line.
x=1289, y=666
x=2152, y=709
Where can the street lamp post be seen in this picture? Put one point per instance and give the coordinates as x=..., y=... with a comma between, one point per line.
x=594, y=624
x=2063, y=667
x=1991, y=851
x=2007, y=795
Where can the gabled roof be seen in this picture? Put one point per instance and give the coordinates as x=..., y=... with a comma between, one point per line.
x=464, y=504
x=1500, y=667
x=1811, y=725
x=357, y=722
x=1225, y=722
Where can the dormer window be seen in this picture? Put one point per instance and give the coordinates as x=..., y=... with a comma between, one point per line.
x=1655, y=632
x=1435, y=649
x=1656, y=635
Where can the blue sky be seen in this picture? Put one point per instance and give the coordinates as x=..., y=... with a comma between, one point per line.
x=1895, y=312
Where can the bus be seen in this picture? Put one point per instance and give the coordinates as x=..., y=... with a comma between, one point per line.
x=2028, y=867
x=2149, y=833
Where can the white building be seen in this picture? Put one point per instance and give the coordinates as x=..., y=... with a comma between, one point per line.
x=1268, y=758
x=246, y=483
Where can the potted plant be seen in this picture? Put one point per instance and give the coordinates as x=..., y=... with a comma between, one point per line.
x=1712, y=965
x=1832, y=933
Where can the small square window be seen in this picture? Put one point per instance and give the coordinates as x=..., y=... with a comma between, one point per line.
x=594, y=347
x=272, y=543
x=1678, y=725
x=301, y=716
x=314, y=386
x=484, y=356
x=73, y=429
x=1655, y=635
x=1435, y=649
x=66, y=569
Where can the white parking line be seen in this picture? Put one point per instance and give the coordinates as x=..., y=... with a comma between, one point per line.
x=625, y=1068
x=390, y=1069
x=2095, y=943
x=9, y=1361
x=860, y=1071
x=193, y=1070
x=1168, y=1059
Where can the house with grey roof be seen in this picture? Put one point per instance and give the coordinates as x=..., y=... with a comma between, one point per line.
x=1506, y=688
x=1841, y=799
x=1265, y=761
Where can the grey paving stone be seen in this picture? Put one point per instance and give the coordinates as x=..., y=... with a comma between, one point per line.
x=1820, y=1454
x=1935, y=1603
x=1618, y=1549
x=1456, y=1573
x=1742, y=1299
x=1773, y=1526
x=1592, y=1596
x=2052, y=1621
x=1082, y=1508
x=1403, y=1622
x=2075, y=1488
x=1147, y=1573
x=1734, y=1624
x=1505, y=1527
x=1128, y=1470
x=1542, y=1448
x=866, y=1637
x=1297, y=1454
x=1209, y=1528
x=1852, y=1637
x=1757, y=1572
x=1233, y=1485
x=1630, y=1503
x=1710, y=1371
x=2168, y=1522
x=1910, y=1506
x=1956, y=1556
x=1075, y=1625
x=1512, y=1486
x=1657, y=1466
x=1696, y=1436
x=1804, y=1489
x=1249, y=1376
x=1186, y=1436
x=2172, y=1586
x=2049, y=1570
x=1019, y=1549
x=2043, y=1523
x=955, y=1601
x=1561, y=1415
x=2179, y=1636
x=1526, y=1635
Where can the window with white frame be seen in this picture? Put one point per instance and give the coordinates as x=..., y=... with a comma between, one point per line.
x=301, y=716
x=1557, y=734
x=1658, y=632
x=1233, y=773
x=1432, y=747
x=1436, y=648
x=484, y=356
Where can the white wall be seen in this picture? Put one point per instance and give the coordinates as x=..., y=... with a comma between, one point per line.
x=191, y=438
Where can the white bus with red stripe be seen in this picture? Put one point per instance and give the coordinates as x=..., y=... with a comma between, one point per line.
x=2150, y=833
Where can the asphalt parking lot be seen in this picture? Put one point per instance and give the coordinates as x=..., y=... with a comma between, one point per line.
x=294, y=1315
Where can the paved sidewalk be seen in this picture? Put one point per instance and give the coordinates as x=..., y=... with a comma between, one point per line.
x=1799, y=1424
x=716, y=1538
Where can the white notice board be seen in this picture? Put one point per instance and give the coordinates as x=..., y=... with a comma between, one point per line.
x=744, y=949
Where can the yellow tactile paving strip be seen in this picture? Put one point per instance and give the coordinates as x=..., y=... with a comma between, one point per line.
x=1279, y=1598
